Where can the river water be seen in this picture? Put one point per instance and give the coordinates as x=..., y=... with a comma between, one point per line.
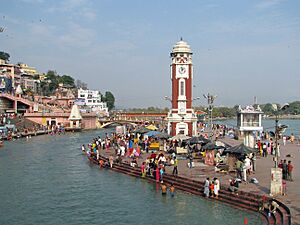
x=47, y=180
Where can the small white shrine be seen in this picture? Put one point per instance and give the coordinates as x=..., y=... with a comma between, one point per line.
x=75, y=117
x=249, y=124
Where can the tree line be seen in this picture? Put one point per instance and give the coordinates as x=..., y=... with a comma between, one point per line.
x=228, y=112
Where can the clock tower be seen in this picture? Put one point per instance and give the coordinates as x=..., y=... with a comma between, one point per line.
x=181, y=118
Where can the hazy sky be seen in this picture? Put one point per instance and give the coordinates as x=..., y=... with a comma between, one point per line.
x=241, y=48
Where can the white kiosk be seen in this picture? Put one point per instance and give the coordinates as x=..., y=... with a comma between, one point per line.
x=249, y=124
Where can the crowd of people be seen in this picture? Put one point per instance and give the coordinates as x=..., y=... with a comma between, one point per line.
x=134, y=149
x=211, y=187
x=125, y=148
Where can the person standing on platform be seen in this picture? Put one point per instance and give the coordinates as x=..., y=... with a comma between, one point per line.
x=206, y=187
x=284, y=140
x=157, y=178
x=244, y=172
x=143, y=170
x=111, y=161
x=253, y=160
x=290, y=170
x=292, y=138
x=239, y=169
x=283, y=187
x=211, y=189
x=284, y=170
x=175, y=169
x=216, y=187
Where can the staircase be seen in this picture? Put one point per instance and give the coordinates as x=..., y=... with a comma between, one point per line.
x=244, y=200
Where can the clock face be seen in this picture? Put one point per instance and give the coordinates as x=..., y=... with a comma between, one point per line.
x=181, y=70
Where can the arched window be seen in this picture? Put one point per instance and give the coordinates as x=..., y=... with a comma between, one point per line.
x=182, y=87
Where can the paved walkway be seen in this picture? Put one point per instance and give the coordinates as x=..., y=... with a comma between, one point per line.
x=263, y=175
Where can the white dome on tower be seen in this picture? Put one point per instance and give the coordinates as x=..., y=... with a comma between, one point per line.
x=181, y=47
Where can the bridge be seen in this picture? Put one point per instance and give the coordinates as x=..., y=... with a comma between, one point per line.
x=105, y=123
x=17, y=99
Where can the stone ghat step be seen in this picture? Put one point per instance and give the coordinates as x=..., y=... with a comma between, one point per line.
x=246, y=200
x=189, y=185
x=189, y=189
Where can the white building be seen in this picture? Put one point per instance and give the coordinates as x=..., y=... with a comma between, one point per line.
x=92, y=99
x=249, y=124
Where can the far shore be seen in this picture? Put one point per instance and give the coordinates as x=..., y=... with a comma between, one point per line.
x=288, y=117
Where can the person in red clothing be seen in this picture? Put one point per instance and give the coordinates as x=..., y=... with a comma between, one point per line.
x=283, y=187
x=280, y=164
x=157, y=174
x=290, y=170
x=211, y=189
x=143, y=170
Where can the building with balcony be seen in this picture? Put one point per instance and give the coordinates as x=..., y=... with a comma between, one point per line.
x=91, y=99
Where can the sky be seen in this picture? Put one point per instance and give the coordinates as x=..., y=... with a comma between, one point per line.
x=241, y=49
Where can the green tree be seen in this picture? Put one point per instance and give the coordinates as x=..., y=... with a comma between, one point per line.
x=109, y=98
x=52, y=79
x=294, y=108
x=5, y=56
x=67, y=80
x=267, y=109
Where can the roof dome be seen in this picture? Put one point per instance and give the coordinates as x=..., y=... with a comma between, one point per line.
x=181, y=47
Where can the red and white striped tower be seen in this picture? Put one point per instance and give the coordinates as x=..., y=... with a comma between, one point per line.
x=181, y=118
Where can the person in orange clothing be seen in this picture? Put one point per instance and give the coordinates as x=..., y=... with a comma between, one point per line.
x=289, y=171
x=101, y=163
x=211, y=188
x=292, y=138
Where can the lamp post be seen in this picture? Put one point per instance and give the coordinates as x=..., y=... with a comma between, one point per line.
x=210, y=100
x=169, y=129
x=276, y=173
x=277, y=111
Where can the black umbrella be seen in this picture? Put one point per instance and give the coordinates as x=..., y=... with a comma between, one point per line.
x=198, y=140
x=211, y=146
x=240, y=150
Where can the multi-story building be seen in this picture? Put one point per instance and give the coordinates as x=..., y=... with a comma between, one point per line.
x=7, y=76
x=92, y=99
x=25, y=69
